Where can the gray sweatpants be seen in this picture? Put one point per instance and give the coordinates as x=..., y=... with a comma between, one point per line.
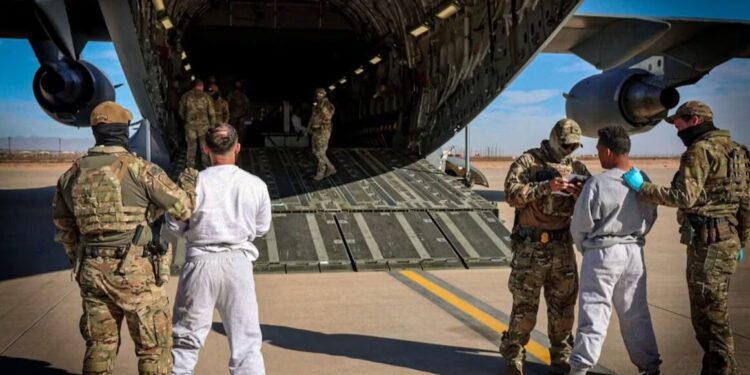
x=225, y=281
x=616, y=276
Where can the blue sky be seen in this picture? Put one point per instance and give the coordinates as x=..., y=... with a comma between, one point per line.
x=525, y=111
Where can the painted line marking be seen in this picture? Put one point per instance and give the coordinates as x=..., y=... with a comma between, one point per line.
x=533, y=347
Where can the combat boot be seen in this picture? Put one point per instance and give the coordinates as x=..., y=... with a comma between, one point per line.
x=514, y=367
x=330, y=171
x=319, y=176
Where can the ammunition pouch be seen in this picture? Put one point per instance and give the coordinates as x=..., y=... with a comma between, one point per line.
x=532, y=235
x=710, y=230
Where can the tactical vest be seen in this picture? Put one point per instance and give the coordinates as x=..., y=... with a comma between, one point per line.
x=97, y=199
x=557, y=203
x=729, y=183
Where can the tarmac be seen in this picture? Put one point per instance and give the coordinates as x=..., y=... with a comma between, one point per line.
x=406, y=322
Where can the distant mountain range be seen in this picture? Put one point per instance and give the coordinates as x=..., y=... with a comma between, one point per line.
x=46, y=144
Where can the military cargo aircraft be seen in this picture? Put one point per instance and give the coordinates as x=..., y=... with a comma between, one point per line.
x=405, y=76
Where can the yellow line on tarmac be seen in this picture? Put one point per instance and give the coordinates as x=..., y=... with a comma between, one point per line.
x=536, y=349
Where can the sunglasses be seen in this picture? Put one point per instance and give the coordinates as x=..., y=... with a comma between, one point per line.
x=571, y=146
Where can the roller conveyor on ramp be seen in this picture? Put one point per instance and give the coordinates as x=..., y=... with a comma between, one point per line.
x=381, y=211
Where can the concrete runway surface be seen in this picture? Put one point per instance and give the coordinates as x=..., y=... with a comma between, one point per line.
x=441, y=322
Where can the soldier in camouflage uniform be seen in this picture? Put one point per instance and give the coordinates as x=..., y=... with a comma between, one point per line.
x=102, y=203
x=543, y=254
x=221, y=106
x=239, y=108
x=197, y=111
x=710, y=190
x=320, y=126
x=239, y=105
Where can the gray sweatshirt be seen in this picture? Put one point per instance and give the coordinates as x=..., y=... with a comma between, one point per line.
x=609, y=213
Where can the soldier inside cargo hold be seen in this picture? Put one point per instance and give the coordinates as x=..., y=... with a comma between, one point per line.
x=197, y=112
x=239, y=109
x=233, y=209
x=542, y=185
x=320, y=127
x=102, y=209
x=221, y=106
x=711, y=192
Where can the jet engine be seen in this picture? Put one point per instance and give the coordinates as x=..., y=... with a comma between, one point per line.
x=69, y=90
x=632, y=98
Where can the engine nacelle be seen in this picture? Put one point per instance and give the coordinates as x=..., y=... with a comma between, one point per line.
x=69, y=90
x=631, y=98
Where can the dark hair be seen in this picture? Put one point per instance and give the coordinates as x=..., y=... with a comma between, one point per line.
x=615, y=138
x=221, y=138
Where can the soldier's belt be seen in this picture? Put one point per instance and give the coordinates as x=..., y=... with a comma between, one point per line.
x=116, y=252
x=710, y=230
x=542, y=236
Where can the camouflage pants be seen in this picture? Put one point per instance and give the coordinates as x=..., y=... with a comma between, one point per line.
x=108, y=298
x=553, y=267
x=193, y=137
x=709, y=269
x=320, y=139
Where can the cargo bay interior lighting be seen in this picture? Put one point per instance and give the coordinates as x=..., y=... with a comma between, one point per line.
x=192, y=78
x=331, y=87
x=419, y=30
x=166, y=22
x=375, y=60
x=359, y=70
x=184, y=55
x=342, y=80
x=187, y=67
x=448, y=10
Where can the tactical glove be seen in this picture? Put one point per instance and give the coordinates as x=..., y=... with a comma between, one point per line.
x=634, y=179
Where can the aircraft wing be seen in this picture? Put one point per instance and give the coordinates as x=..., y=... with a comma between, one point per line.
x=609, y=42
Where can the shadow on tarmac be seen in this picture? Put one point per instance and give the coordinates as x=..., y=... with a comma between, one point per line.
x=27, y=234
x=431, y=358
x=11, y=365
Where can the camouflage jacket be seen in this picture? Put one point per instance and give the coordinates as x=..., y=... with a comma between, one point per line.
x=87, y=208
x=239, y=105
x=322, y=115
x=221, y=107
x=713, y=180
x=197, y=109
x=527, y=189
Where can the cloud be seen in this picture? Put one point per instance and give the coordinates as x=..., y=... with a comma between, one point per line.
x=579, y=67
x=521, y=98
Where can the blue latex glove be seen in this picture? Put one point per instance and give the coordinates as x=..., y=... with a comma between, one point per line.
x=741, y=255
x=634, y=179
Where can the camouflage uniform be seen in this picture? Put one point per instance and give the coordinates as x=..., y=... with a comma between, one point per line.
x=99, y=203
x=221, y=106
x=197, y=110
x=320, y=126
x=542, y=248
x=710, y=191
x=239, y=106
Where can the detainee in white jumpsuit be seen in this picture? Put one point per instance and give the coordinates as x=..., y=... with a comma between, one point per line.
x=232, y=208
x=609, y=225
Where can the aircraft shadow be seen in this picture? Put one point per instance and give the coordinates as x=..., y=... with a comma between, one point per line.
x=432, y=358
x=12, y=365
x=27, y=234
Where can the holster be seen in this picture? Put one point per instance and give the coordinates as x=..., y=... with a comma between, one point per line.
x=157, y=255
